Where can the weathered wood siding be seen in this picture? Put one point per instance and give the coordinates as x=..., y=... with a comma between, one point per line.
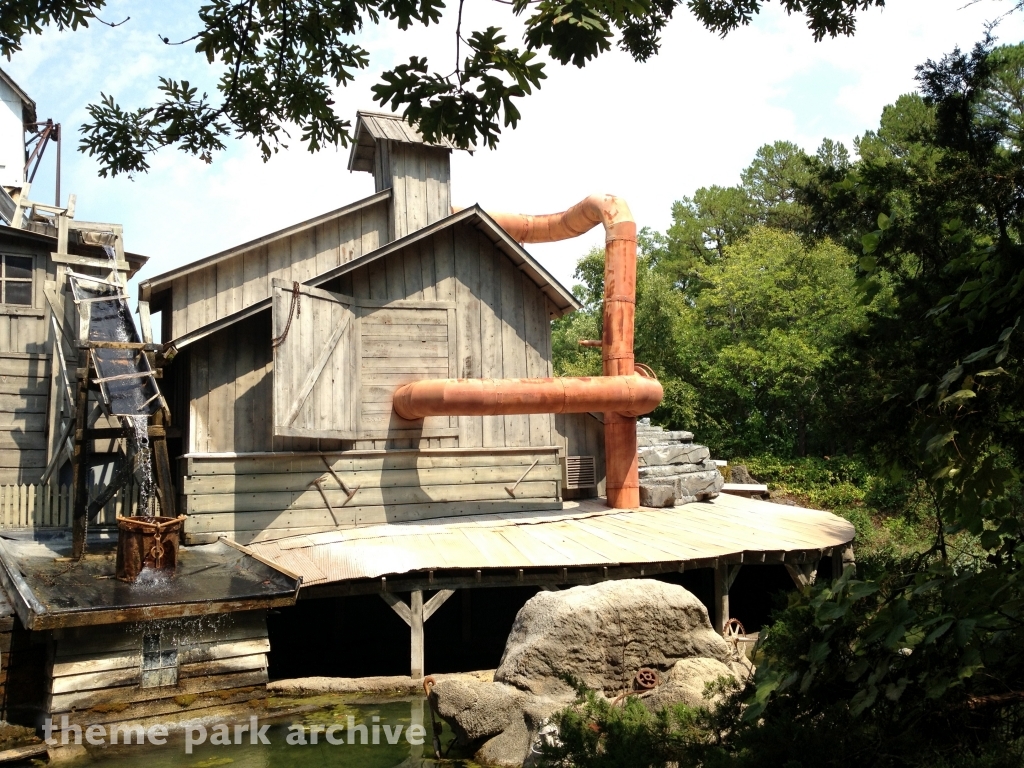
x=452, y=306
x=245, y=496
x=420, y=180
x=96, y=671
x=582, y=434
x=230, y=389
x=223, y=288
x=25, y=345
x=503, y=327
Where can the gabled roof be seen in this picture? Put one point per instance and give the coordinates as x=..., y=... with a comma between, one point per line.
x=27, y=104
x=372, y=127
x=153, y=284
x=49, y=243
x=557, y=294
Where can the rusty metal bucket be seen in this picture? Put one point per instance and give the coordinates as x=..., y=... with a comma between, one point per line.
x=147, y=542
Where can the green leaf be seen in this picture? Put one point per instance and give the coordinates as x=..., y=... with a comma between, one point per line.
x=959, y=396
x=938, y=632
x=883, y=222
x=869, y=242
x=938, y=441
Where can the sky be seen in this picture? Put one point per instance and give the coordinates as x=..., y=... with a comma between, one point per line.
x=650, y=133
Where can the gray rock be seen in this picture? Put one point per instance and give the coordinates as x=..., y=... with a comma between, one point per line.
x=602, y=634
x=682, y=453
x=657, y=495
x=739, y=474
x=671, y=470
x=477, y=710
x=700, y=483
x=687, y=683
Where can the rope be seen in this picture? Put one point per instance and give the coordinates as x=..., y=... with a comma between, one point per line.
x=293, y=309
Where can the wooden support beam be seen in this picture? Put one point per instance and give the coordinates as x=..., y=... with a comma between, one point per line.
x=122, y=476
x=398, y=607
x=415, y=614
x=416, y=634
x=80, y=518
x=803, y=574
x=725, y=577
x=842, y=558
x=430, y=607
x=145, y=322
x=162, y=469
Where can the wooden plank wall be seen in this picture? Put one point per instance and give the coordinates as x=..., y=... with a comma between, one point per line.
x=228, y=286
x=243, y=496
x=502, y=330
x=230, y=385
x=420, y=181
x=25, y=339
x=96, y=670
x=503, y=327
x=400, y=345
x=582, y=434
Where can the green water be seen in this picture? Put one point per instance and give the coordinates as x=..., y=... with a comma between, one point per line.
x=280, y=754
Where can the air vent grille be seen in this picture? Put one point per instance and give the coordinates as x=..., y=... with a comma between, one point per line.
x=579, y=472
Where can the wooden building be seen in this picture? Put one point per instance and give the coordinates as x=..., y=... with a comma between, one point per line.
x=389, y=290
x=278, y=362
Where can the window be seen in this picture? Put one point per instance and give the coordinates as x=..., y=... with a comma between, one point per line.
x=159, y=662
x=16, y=280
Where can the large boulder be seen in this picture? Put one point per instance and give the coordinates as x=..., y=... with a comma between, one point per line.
x=601, y=636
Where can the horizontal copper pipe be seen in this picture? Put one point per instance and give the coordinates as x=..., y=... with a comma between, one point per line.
x=629, y=395
x=621, y=394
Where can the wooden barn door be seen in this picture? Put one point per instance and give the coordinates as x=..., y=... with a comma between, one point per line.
x=316, y=363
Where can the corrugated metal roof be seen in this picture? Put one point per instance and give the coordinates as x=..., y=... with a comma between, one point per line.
x=372, y=127
x=584, y=534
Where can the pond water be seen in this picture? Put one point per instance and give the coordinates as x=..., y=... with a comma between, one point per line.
x=279, y=753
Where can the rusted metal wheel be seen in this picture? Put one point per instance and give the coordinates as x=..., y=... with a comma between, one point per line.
x=646, y=679
x=733, y=628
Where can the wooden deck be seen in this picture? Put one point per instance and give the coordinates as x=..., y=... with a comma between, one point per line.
x=584, y=537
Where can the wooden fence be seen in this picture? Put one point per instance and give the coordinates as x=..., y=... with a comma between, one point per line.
x=49, y=506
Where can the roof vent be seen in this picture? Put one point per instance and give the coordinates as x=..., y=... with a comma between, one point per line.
x=579, y=472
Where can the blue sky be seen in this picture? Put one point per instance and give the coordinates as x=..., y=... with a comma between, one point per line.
x=691, y=117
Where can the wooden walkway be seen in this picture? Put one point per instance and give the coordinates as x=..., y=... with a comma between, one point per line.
x=585, y=536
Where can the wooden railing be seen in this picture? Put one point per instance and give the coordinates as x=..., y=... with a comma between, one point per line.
x=49, y=506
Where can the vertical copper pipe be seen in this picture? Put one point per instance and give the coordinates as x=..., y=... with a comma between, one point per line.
x=622, y=475
x=621, y=468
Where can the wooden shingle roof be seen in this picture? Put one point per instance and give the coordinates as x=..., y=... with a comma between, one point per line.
x=372, y=127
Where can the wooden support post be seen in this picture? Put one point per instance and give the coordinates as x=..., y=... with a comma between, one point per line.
x=80, y=514
x=162, y=470
x=721, y=597
x=416, y=634
x=725, y=575
x=414, y=615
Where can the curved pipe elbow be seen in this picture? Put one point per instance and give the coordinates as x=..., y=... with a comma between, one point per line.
x=609, y=210
x=632, y=395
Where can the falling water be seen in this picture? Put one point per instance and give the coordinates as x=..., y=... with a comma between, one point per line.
x=139, y=425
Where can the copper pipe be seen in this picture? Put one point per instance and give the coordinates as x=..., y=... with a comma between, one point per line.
x=630, y=395
x=623, y=393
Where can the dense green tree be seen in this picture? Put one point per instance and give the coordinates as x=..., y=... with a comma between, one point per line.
x=918, y=664
x=760, y=341
x=280, y=60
